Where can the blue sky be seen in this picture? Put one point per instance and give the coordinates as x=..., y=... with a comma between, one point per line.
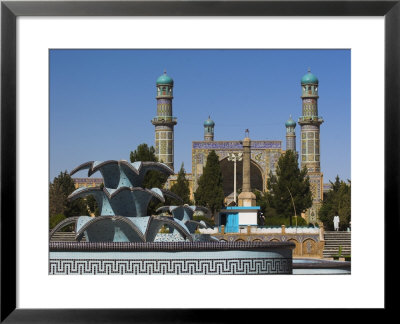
x=102, y=101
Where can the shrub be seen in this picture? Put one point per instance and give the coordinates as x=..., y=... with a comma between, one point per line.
x=339, y=254
x=54, y=220
x=275, y=221
x=278, y=221
x=164, y=229
x=300, y=221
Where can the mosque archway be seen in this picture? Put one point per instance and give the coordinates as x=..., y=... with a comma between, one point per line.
x=227, y=168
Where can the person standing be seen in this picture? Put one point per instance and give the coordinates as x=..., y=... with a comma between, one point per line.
x=336, y=223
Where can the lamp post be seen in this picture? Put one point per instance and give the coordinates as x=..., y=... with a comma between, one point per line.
x=234, y=157
x=294, y=207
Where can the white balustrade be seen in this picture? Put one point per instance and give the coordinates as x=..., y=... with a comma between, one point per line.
x=208, y=230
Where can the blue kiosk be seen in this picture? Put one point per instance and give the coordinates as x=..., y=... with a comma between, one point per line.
x=234, y=217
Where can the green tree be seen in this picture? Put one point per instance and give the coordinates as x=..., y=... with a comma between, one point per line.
x=289, y=182
x=263, y=199
x=92, y=205
x=55, y=219
x=337, y=202
x=59, y=190
x=210, y=192
x=271, y=217
x=143, y=153
x=181, y=187
x=153, y=178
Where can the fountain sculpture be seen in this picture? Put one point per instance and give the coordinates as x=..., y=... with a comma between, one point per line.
x=124, y=240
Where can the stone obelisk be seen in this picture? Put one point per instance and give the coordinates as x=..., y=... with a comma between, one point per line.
x=246, y=197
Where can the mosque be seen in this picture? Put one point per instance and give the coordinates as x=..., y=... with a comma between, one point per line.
x=264, y=153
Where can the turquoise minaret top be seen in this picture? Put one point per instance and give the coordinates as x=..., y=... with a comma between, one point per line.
x=209, y=122
x=209, y=129
x=290, y=122
x=309, y=78
x=165, y=79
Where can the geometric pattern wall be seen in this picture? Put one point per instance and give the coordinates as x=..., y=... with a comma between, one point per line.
x=264, y=154
x=234, y=266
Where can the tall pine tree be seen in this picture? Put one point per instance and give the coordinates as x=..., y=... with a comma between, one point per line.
x=59, y=206
x=210, y=192
x=289, y=181
x=143, y=153
x=181, y=187
x=337, y=202
x=153, y=178
x=59, y=190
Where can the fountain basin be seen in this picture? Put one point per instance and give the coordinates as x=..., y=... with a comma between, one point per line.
x=171, y=258
x=318, y=266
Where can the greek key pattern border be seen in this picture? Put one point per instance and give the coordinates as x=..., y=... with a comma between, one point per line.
x=241, y=266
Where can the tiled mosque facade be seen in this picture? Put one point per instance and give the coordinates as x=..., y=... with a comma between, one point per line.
x=265, y=154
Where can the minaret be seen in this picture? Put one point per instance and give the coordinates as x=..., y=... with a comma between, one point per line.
x=290, y=134
x=310, y=141
x=164, y=122
x=209, y=129
x=310, y=123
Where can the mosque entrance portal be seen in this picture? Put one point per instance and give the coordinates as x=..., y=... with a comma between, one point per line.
x=256, y=178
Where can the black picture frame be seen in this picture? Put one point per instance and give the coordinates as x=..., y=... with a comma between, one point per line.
x=10, y=10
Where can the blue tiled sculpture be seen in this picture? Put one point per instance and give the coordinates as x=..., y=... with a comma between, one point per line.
x=184, y=215
x=123, y=205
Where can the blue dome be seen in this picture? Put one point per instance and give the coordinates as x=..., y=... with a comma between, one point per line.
x=290, y=122
x=165, y=79
x=209, y=122
x=309, y=78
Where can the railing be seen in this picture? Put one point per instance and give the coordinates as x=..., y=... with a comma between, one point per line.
x=165, y=119
x=311, y=118
x=308, y=230
x=214, y=230
x=267, y=230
